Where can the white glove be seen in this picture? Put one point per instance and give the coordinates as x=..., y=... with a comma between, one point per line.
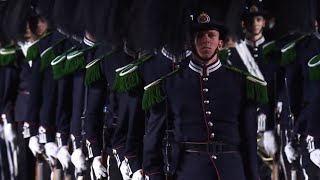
x=269, y=143
x=51, y=150
x=98, y=169
x=78, y=160
x=315, y=157
x=125, y=169
x=64, y=157
x=9, y=133
x=291, y=153
x=35, y=146
x=138, y=175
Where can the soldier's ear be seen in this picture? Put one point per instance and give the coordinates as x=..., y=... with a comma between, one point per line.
x=220, y=44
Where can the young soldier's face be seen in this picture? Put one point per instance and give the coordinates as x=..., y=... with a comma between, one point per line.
x=206, y=43
x=255, y=25
x=42, y=27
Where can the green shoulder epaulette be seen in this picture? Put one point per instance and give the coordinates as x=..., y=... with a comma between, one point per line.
x=127, y=77
x=314, y=68
x=33, y=50
x=256, y=89
x=58, y=64
x=224, y=54
x=48, y=55
x=76, y=59
x=7, y=56
x=152, y=93
x=288, y=52
x=93, y=69
x=268, y=49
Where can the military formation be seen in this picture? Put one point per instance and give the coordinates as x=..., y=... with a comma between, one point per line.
x=159, y=89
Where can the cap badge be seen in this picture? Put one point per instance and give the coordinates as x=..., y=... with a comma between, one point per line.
x=254, y=9
x=203, y=18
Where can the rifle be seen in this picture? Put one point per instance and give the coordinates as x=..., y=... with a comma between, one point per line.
x=277, y=132
x=290, y=136
x=79, y=174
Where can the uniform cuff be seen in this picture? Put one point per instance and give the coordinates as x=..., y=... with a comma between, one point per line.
x=76, y=141
x=313, y=143
x=94, y=148
x=155, y=176
x=62, y=139
x=134, y=163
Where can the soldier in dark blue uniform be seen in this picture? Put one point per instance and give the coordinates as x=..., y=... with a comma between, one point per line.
x=9, y=59
x=166, y=62
x=215, y=137
x=306, y=127
x=255, y=62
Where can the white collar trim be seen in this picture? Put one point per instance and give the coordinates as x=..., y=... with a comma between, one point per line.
x=209, y=69
x=255, y=44
x=170, y=56
x=88, y=42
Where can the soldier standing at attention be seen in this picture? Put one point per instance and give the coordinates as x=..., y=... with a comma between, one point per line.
x=216, y=136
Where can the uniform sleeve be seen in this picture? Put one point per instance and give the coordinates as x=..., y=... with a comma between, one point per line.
x=48, y=105
x=152, y=150
x=77, y=107
x=136, y=129
x=10, y=92
x=312, y=113
x=35, y=97
x=248, y=146
x=63, y=110
x=93, y=118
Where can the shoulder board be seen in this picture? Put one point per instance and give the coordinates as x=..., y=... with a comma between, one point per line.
x=152, y=92
x=93, y=70
x=224, y=54
x=314, y=68
x=288, y=52
x=256, y=89
x=48, y=55
x=127, y=77
x=268, y=49
x=7, y=55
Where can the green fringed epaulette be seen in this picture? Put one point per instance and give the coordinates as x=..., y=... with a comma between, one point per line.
x=268, y=49
x=76, y=60
x=7, y=56
x=127, y=77
x=256, y=88
x=93, y=70
x=153, y=94
x=289, y=51
x=58, y=64
x=48, y=55
x=224, y=54
x=33, y=51
x=288, y=54
x=314, y=68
